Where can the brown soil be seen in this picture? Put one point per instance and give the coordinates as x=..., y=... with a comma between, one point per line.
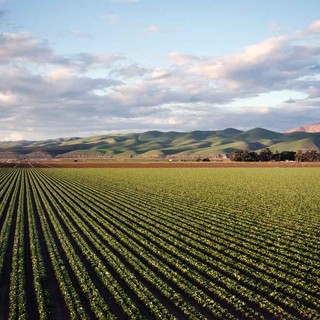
x=62, y=164
x=159, y=164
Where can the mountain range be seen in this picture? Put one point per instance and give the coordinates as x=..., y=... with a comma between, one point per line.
x=158, y=144
x=306, y=128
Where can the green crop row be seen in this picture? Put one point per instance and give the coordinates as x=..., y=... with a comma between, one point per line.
x=270, y=289
x=17, y=296
x=159, y=244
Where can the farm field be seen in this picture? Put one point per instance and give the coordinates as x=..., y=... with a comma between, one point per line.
x=172, y=243
x=151, y=164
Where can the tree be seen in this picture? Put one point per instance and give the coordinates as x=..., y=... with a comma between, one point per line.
x=236, y=155
x=311, y=155
x=287, y=156
x=252, y=156
x=265, y=154
x=276, y=156
x=299, y=155
x=245, y=156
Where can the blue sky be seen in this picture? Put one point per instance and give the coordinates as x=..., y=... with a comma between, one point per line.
x=79, y=68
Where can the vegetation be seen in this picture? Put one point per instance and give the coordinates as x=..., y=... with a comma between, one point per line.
x=267, y=155
x=156, y=144
x=159, y=244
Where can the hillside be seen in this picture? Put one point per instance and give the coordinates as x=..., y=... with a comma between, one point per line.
x=154, y=144
x=306, y=128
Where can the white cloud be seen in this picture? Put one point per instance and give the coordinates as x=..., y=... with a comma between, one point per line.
x=23, y=49
x=261, y=50
x=182, y=59
x=275, y=63
x=7, y=98
x=195, y=92
x=14, y=136
x=153, y=29
x=130, y=71
x=314, y=28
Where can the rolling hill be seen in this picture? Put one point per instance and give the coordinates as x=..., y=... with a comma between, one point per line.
x=160, y=144
x=306, y=128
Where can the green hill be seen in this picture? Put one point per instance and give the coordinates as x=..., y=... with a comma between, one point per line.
x=157, y=143
x=311, y=143
x=258, y=134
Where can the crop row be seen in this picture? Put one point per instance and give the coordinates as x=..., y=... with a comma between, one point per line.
x=274, y=295
x=117, y=252
x=122, y=270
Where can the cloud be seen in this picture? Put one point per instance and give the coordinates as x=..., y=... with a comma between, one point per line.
x=273, y=64
x=21, y=85
x=313, y=29
x=153, y=29
x=24, y=49
x=83, y=62
x=182, y=59
x=193, y=92
x=130, y=71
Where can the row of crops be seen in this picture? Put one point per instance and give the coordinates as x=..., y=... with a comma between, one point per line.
x=92, y=244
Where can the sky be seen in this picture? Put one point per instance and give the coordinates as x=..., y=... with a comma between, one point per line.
x=82, y=68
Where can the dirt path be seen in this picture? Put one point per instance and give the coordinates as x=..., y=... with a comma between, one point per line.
x=159, y=164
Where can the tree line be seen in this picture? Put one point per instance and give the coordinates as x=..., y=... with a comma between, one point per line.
x=267, y=155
